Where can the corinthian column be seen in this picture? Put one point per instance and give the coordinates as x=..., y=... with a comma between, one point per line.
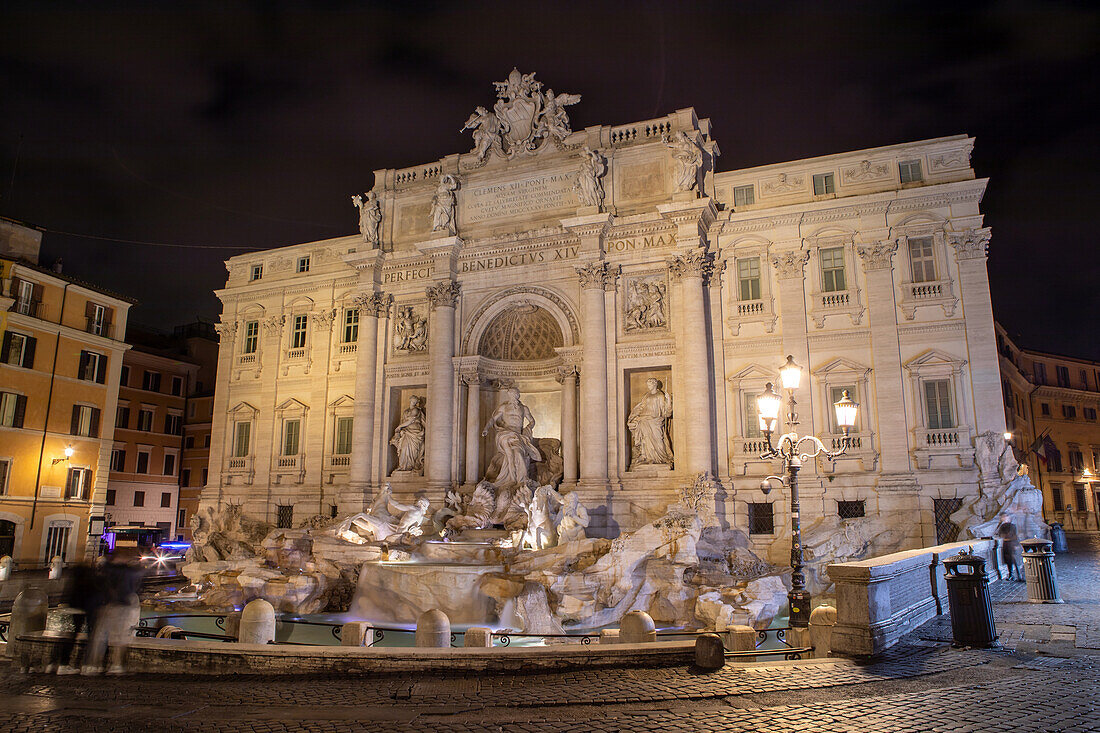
x=473, y=426
x=690, y=269
x=371, y=305
x=440, y=406
x=568, y=378
x=594, y=278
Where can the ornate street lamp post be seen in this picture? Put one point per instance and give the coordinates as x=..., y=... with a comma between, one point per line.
x=789, y=449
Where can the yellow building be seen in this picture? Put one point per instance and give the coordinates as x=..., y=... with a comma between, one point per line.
x=1059, y=397
x=60, y=362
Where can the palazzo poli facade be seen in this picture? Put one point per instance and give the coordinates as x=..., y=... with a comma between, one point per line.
x=577, y=267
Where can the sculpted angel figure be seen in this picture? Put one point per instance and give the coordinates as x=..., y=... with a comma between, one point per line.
x=487, y=128
x=587, y=185
x=443, y=204
x=408, y=437
x=689, y=158
x=555, y=120
x=648, y=423
x=513, y=423
x=370, y=216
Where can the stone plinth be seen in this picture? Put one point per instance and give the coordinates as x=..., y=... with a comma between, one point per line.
x=257, y=624
x=433, y=629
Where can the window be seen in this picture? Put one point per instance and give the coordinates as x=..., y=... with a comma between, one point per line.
x=1084, y=379
x=57, y=540
x=145, y=420
x=85, y=421
x=937, y=401
x=748, y=278
x=110, y=497
x=173, y=424
x=169, y=464
x=98, y=320
x=761, y=518
x=251, y=336
x=1063, y=376
x=5, y=469
x=118, y=460
x=165, y=499
x=921, y=262
x=189, y=442
x=291, y=433
x=1089, y=413
x=204, y=472
x=1044, y=409
x=1040, y=373
x=185, y=477
x=752, y=420
x=298, y=332
x=12, y=409
x=240, y=439
x=18, y=350
x=142, y=462
x=909, y=171
x=25, y=302
x=1054, y=458
x=139, y=498
x=333, y=510
x=1056, y=497
x=823, y=184
x=257, y=272
x=80, y=480
x=191, y=410
x=124, y=376
x=284, y=516
x=122, y=417
x=92, y=367
x=206, y=441
x=151, y=381
x=343, y=436
x=851, y=509
x=181, y=518
x=1076, y=460
x=1069, y=412
x=832, y=269
x=303, y=264
x=744, y=196
x=177, y=386
x=835, y=395
x=351, y=325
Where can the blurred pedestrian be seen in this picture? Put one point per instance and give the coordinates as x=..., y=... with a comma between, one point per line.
x=1011, y=549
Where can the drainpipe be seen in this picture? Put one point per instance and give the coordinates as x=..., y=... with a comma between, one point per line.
x=49, y=400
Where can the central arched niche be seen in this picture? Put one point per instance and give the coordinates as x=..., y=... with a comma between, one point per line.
x=523, y=332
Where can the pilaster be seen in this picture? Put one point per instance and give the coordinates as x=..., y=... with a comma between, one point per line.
x=442, y=297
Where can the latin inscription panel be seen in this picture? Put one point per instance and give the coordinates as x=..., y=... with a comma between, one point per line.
x=527, y=197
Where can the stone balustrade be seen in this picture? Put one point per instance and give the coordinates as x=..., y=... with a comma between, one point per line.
x=881, y=599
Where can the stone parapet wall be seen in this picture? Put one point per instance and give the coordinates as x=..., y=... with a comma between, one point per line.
x=881, y=599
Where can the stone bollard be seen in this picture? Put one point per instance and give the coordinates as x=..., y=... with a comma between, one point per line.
x=433, y=629
x=799, y=637
x=742, y=639
x=822, y=621
x=710, y=652
x=28, y=615
x=479, y=637
x=5, y=568
x=166, y=632
x=356, y=633
x=637, y=628
x=257, y=623
x=610, y=636
x=56, y=566
x=232, y=625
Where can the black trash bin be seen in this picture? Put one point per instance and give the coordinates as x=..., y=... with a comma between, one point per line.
x=1058, y=537
x=968, y=599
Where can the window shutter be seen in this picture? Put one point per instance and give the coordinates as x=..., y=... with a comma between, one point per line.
x=167, y=423
x=89, y=309
x=14, y=291
x=36, y=294
x=95, y=423
x=76, y=420
x=6, y=348
x=83, y=367
x=101, y=370
x=28, y=352
x=20, y=410
x=108, y=314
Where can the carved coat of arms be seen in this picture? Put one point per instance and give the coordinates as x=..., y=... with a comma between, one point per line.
x=522, y=118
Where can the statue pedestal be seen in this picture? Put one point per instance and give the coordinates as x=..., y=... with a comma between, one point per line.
x=650, y=469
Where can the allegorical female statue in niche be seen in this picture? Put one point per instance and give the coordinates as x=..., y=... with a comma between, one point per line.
x=408, y=438
x=648, y=423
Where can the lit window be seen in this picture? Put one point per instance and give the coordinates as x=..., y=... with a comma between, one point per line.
x=351, y=325
x=12, y=409
x=76, y=488
x=85, y=421
x=97, y=319
x=744, y=196
x=303, y=264
x=257, y=272
x=18, y=350
x=298, y=333
x=823, y=184
x=921, y=260
x=748, y=277
x=92, y=367
x=832, y=269
x=937, y=398
x=291, y=433
x=240, y=439
x=909, y=171
x=343, y=436
x=251, y=336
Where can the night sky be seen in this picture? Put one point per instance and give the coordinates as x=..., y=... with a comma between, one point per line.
x=250, y=125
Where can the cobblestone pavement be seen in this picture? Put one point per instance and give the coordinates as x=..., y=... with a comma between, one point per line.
x=1029, y=684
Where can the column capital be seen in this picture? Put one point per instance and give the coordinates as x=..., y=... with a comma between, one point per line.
x=790, y=264
x=566, y=371
x=971, y=244
x=273, y=326
x=226, y=331
x=443, y=294
x=323, y=319
x=597, y=276
x=692, y=263
x=373, y=304
x=878, y=255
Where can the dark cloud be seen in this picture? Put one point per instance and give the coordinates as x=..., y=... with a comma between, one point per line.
x=251, y=123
